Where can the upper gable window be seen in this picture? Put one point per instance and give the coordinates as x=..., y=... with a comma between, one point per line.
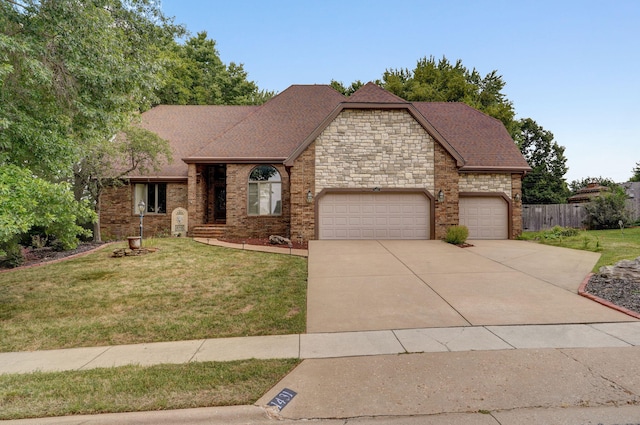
x=265, y=191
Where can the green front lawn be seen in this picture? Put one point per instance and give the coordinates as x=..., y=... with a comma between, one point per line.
x=135, y=388
x=184, y=291
x=613, y=245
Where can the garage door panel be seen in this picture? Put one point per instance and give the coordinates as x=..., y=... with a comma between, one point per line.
x=374, y=216
x=485, y=217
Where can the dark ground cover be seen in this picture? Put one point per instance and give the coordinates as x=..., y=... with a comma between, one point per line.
x=621, y=292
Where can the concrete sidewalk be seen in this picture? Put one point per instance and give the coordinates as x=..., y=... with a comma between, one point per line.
x=330, y=345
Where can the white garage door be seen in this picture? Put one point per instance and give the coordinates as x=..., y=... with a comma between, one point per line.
x=374, y=216
x=486, y=217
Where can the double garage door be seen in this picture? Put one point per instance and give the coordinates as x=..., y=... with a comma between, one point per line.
x=404, y=216
x=374, y=216
x=485, y=217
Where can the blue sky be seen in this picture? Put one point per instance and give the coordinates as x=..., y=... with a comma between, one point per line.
x=572, y=66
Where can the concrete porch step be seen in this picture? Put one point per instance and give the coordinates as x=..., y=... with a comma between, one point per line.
x=211, y=231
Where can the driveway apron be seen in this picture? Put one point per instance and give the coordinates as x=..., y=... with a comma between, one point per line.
x=378, y=285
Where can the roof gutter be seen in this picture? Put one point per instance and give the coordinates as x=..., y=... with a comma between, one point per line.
x=234, y=160
x=492, y=169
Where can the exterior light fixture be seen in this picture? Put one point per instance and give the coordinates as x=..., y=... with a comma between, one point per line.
x=309, y=197
x=441, y=196
x=376, y=189
x=141, y=207
x=517, y=197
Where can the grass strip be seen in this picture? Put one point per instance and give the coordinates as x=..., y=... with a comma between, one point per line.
x=183, y=291
x=613, y=245
x=136, y=388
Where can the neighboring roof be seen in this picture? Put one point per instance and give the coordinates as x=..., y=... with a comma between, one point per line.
x=282, y=128
x=593, y=190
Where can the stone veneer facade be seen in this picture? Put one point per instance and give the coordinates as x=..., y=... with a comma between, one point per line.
x=374, y=148
x=489, y=182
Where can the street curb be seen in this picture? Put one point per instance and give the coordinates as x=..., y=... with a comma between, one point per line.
x=581, y=291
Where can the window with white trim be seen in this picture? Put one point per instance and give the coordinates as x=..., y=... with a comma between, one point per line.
x=154, y=196
x=265, y=191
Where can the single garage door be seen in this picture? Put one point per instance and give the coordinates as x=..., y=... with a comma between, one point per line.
x=374, y=216
x=486, y=217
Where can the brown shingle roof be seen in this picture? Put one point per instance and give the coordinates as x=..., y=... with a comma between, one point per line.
x=281, y=128
x=190, y=127
x=482, y=141
x=277, y=127
x=372, y=93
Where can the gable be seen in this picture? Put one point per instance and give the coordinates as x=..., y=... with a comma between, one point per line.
x=374, y=148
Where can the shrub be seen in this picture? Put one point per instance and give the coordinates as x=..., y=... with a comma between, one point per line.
x=13, y=255
x=457, y=235
x=606, y=211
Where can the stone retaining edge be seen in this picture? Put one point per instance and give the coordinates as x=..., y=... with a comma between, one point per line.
x=581, y=291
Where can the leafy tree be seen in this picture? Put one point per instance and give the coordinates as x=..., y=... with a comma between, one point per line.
x=576, y=185
x=72, y=75
x=442, y=81
x=134, y=149
x=636, y=173
x=347, y=91
x=195, y=75
x=545, y=183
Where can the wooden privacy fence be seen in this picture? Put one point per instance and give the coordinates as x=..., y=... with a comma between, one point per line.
x=541, y=217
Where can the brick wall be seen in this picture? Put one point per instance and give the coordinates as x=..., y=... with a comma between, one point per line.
x=119, y=219
x=239, y=223
x=303, y=180
x=516, y=206
x=447, y=213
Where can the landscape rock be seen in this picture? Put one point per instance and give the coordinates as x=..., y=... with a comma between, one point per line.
x=618, y=284
x=279, y=240
x=624, y=269
x=126, y=252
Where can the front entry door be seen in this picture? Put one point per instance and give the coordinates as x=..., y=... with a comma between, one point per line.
x=218, y=182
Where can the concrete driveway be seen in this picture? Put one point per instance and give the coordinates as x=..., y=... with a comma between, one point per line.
x=376, y=285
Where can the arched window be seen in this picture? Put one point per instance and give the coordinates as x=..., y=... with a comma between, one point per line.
x=265, y=191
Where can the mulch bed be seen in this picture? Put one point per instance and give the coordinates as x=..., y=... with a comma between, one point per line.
x=621, y=292
x=34, y=256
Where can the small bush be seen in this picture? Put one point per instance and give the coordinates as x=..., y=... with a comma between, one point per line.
x=457, y=235
x=558, y=232
x=14, y=256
